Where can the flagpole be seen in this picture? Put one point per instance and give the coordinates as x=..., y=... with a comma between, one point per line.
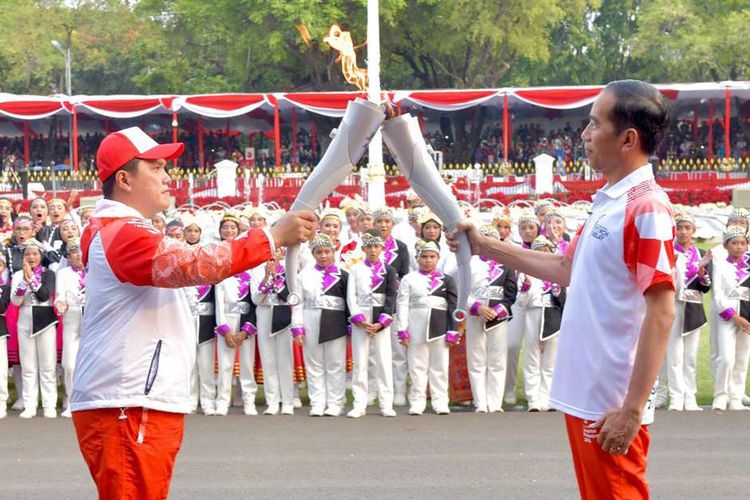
x=375, y=167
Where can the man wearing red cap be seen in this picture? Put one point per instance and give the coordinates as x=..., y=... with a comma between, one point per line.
x=131, y=387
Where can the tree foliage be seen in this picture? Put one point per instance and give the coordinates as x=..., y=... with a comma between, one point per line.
x=195, y=46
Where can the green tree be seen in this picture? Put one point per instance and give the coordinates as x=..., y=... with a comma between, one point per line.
x=693, y=40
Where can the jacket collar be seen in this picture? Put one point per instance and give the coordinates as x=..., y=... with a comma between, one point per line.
x=110, y=208
x=641, y=174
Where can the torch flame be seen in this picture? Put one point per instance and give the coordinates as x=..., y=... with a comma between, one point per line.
x=342, y=42
x=304, y=33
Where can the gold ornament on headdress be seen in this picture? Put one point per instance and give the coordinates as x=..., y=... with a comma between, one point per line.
x=426, y=246
x=490, y=231
x=540, y=242
x=320, y=240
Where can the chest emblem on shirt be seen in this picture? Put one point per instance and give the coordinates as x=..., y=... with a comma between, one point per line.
x=599, y=232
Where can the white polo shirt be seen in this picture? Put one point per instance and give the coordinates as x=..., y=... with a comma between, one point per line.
x=623, y=249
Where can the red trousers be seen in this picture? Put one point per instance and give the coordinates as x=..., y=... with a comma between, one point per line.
x=601, y=475
x=130, y=452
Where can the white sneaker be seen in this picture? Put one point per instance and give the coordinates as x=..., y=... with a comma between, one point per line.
x=317, y=411
x=66, y=413
x=660, y=402
x=676, y=406
x=736, y=404
x=442, y=410
x=221, y=411
x=17, y=405
x=28, y=413
x=250, y=410
x=3, y=411
x=272, y=410
x=356, y=413
x=495, y=410
x=333, y=411
x=480, y=409
x=399, y=400
x=692, y=406
x=287, y=409
x=720, y=403
x=50, y=413
x=297, y=402
x=209, y=411
x=388, y=412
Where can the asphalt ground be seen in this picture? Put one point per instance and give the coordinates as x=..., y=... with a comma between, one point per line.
x=462, y=455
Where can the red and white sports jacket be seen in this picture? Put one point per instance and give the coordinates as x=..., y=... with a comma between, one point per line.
x=137, y=340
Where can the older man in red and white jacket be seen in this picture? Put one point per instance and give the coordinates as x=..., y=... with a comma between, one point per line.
x=131, y=387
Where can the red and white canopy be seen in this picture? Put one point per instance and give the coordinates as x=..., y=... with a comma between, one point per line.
x=25, y=107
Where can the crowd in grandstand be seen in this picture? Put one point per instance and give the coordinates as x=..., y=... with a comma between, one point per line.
x=529, y=140
x=355, y=326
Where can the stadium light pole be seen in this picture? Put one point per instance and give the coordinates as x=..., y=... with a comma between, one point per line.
x=68, y=90
x=375, y=168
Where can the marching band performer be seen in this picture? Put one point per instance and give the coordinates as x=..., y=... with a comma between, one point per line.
x=396, y=255
x=431, y=228
x=738, y=217
x=352, y=207
x=554, y=230
x=4, y=301
x=365, y=220
x=541, y=207
x=70, y=298
x=502, y=220
x=731, y=292
x=424, y=318
x=193, y=230
x=528, y=229
x=40, y=214
x=331, y=224
x=159, y=221
x=493, y=292
x=68, y=231
x=202, y=300
x=257, y=217
x=6, y=221
x=543, y=302
x=230, y=295
x=32, y=290
x=692, y=272
x=274, y=335
x=371, y=297
x=175, y=229
x=320, y=321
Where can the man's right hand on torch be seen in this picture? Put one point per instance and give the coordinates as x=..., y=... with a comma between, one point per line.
x=293, y=228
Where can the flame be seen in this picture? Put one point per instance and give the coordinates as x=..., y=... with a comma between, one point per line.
x=342, y=42
x=304, y=33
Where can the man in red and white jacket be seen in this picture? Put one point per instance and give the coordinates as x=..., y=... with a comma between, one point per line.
x=131, y=387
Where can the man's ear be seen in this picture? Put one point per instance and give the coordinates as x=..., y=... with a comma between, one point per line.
x=123, y=180
x=631, y=139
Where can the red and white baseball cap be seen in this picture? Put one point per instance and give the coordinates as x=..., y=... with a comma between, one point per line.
x=118, y=148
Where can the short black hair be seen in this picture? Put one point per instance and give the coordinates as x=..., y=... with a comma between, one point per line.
x=108, y=186
x=641, y=106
